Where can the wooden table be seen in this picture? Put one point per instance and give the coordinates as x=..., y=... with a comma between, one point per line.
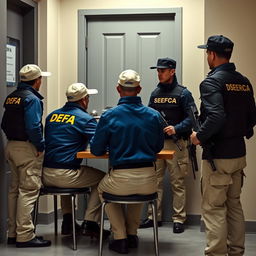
x=164, y=154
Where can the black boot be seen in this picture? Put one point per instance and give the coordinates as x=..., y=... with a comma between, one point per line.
x=148, y=223
x=92, y=229
x=119, y=245
x=66, y=227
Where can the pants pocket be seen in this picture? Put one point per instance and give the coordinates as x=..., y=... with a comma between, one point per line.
x=218, y=188
x=31, y=179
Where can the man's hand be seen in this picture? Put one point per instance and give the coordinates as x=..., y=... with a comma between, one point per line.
x=170, y=130
x=39, y=153
x=194, y=139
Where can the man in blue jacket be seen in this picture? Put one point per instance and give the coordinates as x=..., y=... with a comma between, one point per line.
x=133, y=135
x=68, y=131
x=22, y=124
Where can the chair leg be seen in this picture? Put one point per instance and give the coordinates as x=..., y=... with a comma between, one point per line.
x=55, y=205
x=154, y=207
x=73, y=222
x=101, y=227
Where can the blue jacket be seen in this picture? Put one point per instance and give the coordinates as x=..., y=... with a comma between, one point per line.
x=131, y=132
x=67, y=131
x=22, y=119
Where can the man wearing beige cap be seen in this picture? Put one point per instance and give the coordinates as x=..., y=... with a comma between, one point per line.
x=67, y=131
x=24, y=152
x=133, y=134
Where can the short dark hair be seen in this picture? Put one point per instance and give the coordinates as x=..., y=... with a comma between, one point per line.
x=226, y=55
x=31, y=82
x=128, y=89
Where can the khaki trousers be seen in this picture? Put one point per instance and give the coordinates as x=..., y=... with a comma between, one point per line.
x=221, y=208
x=83, y=177
x=140, y=181
x=178, y=169
x=26, y=169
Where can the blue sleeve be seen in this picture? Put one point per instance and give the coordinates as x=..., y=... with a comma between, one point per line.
x=33, y=122
x=90, y=128
x=160, y=134
x=99, y=142
x=186, y=101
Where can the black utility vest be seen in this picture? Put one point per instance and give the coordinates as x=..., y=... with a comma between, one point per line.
x=13, y=123
x=167, y=102
x=236, y=92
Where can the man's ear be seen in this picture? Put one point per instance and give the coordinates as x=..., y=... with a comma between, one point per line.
x=138, y=89
x=173, y=71
x=118, y=88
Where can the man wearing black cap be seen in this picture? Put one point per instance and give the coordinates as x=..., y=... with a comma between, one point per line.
x=173, y=101
x=228, y=114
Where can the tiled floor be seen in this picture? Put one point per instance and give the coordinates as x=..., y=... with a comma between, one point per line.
x=191, y=243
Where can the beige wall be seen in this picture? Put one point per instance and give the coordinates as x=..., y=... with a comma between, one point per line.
x=237, y=21
x=200, y=19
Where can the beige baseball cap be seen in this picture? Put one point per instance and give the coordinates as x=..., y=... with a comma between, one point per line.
x=77, y=91
x=31, y=71
x=129, y=78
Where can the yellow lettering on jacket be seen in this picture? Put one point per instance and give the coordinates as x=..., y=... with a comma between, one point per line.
x=13, y=100
x=63, y=118
x=238, y=87
x=165, y=100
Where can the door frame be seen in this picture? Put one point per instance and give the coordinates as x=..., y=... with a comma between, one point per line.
x=4, y=171
x=85, y=15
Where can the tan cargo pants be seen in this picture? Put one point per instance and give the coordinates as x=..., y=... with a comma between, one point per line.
x=26, y=169
x=127, y=182
x=83, y=177
x=221, y=208
x=178, y=169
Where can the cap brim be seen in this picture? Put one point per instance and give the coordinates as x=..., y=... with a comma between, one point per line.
x=92, y=91
x=203, y=46
x=45, y=73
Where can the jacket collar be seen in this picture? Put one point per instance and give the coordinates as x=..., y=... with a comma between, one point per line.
x=129, y=100
x=74, y=105
x=24, y=86
x=223, y=67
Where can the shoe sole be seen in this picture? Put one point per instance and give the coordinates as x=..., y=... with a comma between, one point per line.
x=29, y=246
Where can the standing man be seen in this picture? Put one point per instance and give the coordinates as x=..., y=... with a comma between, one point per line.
x=173, y=102
x=133, y=135
x=22, y=124
x=228, y=114
x=68, y=130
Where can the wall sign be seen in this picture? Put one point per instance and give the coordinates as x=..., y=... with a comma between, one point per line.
x=12, y=61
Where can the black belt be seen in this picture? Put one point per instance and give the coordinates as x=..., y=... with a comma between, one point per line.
x=133, y=165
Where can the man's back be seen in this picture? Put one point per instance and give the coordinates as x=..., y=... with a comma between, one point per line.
x=132, y=132
x=67, y=131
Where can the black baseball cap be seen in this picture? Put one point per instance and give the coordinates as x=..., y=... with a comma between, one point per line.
x=165, y=63
x=218, y=43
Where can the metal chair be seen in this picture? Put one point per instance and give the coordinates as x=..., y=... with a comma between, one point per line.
x=61, y=192
x=130, y=199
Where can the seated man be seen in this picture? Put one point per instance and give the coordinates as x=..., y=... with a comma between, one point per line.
x=67, y=131
x=133, y=134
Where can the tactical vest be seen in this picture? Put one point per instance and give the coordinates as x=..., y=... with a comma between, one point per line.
x=13, y=123
x=167, y=102
x=237, y=91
